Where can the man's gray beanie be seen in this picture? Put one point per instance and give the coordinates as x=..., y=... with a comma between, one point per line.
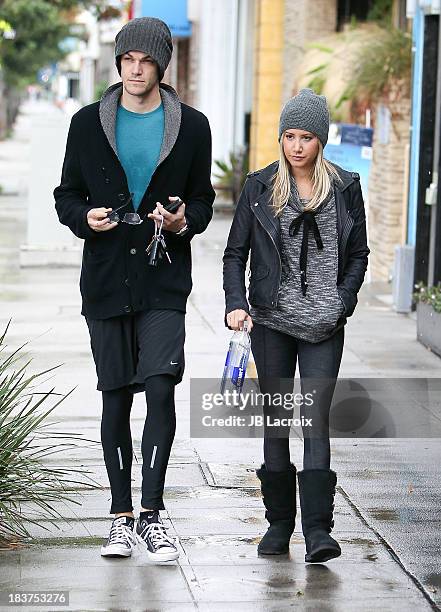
x=306, y=111
x=147, y=34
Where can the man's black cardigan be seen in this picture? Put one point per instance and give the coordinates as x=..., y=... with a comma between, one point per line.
x=115, y=276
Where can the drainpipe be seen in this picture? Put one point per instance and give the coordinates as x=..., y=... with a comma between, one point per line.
x=404, y=260
x=415, y=12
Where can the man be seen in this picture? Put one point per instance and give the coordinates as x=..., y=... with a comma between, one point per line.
x=137, y=150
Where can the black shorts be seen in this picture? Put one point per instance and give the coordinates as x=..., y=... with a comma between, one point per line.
x=130, y=348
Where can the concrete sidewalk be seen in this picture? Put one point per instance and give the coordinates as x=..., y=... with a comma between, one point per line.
x=388, y=503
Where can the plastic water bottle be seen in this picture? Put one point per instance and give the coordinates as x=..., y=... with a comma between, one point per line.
x=237, y=360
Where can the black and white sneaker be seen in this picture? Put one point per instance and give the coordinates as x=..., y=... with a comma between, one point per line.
x=121, y=540
x=151, y=532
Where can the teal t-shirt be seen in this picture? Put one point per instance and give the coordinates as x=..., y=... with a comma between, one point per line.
x=138, y=142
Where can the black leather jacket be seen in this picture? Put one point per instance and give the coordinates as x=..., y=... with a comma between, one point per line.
x=255, y=230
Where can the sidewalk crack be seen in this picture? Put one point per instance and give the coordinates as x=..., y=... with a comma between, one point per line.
x=389, y=549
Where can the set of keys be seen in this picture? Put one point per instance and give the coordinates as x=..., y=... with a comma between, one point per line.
x=157, y=247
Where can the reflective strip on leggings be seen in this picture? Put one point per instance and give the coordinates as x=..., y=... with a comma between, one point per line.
x=121, y=467
x=152, y=462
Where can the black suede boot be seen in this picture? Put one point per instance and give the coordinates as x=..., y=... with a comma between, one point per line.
x=317, y=490
x=279, y=497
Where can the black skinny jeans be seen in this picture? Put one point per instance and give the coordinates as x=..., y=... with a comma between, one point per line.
x=275, y=354
x=157, y=440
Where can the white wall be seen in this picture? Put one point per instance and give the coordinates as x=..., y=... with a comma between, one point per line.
x=89, y=55
x=225, y=71
x=48, y=242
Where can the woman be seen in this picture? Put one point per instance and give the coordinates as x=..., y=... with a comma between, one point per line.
x=302, y=221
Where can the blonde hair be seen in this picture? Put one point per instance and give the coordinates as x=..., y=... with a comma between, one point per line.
x=321, y=175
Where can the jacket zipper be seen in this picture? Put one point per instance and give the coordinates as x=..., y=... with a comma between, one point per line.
x=275, y=302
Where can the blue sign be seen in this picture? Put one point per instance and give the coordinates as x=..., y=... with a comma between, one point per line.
x=350, y=146
x=173, y=12
x=356, y=135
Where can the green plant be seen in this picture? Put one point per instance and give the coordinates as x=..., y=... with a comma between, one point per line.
x=320, y=47
x=233, y=173
x=29, y=488
x=100, y=88
x=318, y=80
x=353, y=23
x=380, y=65
x=40, y=27
x=381, y=11
x=428, y=294
x=318, y=73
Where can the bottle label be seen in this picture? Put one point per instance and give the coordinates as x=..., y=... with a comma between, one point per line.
x=237, y=377
x=238, y=374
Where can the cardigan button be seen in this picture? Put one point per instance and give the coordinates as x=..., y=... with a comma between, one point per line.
x=122, y=196
x=132, y=251
x=107, y=180
x=127, y=309
x=127, y=282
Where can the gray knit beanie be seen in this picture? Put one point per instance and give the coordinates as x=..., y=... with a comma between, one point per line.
x=306, y=111
x=147, y=34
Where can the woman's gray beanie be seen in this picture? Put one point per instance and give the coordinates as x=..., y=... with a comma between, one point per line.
x=147, y=34
x=306, y=111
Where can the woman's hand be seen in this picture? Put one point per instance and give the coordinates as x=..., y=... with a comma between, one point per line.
x=236, y=318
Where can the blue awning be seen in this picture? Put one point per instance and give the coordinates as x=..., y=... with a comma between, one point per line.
x=173, y=12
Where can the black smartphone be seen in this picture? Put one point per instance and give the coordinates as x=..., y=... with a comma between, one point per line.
x=172, y=207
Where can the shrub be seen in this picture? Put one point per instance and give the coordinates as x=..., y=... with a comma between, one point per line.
x=428, y=294
x=382, y=69
x=28, y=485
x=233, y=173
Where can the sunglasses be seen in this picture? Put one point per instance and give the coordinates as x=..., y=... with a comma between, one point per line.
x=129, y=217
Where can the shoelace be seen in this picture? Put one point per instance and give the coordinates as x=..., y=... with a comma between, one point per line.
x=121, y=534
x=157, y=534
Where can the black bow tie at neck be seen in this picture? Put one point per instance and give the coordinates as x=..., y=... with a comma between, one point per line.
x=309, y=222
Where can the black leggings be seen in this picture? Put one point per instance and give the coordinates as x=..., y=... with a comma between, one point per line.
x=157, y=440
x=275, y=355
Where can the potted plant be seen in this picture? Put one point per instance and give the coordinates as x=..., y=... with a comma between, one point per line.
x=233, y=173
x=428, y=299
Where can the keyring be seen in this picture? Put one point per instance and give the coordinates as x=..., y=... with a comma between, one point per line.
x=158, y=231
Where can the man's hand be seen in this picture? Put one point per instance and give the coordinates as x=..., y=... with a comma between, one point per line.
x=236, y=318
x=172, y=223
x=98, y=220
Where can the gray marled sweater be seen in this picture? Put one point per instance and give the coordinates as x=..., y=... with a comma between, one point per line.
x=311, y=316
